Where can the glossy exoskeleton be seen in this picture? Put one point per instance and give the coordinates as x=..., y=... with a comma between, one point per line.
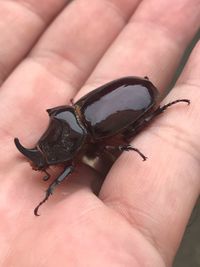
x=104, y=119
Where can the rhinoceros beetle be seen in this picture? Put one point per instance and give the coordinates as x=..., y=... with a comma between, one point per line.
x=114, y=111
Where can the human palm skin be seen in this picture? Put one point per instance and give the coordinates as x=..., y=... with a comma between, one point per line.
x=53, y=51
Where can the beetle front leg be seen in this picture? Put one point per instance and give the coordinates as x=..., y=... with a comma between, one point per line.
x=126, y=147
x=68, y=170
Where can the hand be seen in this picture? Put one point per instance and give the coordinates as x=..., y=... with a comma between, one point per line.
x=142, y=209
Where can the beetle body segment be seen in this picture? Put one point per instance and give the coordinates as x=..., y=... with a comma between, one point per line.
x=113, y=107
x=113, y=112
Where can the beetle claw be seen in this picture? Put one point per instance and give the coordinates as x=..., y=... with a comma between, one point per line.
x=36, y=211
x=47, y=176
x=44, y=200
x=129, y=147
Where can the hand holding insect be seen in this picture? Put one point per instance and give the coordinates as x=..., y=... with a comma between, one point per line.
x=47, y=57
x=117, y=109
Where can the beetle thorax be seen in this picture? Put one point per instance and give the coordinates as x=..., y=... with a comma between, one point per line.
x=64, y=136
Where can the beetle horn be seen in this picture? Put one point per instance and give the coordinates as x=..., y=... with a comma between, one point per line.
x=32, y=154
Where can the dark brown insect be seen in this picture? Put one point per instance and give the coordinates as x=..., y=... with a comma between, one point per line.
x=104, y=119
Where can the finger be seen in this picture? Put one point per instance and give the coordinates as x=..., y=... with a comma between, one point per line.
x=158, y=197
x=152, y=43
x=60, y=62
x=21, y=23
x=39, y=82
x=70, y=53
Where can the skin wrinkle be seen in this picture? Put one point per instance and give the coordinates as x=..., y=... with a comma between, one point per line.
x=5, y=134
x=94, y=82
x=169, y=11
x=38, y=24
x=113, y=5
x=174, y=43
x=68, y=56
x=130, y=213
x=47, y=59
x=163, y=30
x=84, y=215
x=29, y=6
x=190, y=83
x=133, y=24
x=180, y=135
x=177, y=136
x=120, y=218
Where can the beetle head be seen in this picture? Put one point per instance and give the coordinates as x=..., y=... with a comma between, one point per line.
x=61, y=141
x=35, y=157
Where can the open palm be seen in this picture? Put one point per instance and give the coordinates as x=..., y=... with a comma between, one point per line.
x=53, y=51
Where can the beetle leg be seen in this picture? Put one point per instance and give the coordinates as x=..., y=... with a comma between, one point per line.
x=68, y=170
x=131, y=132
x=126, y=148
x=159, y=110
